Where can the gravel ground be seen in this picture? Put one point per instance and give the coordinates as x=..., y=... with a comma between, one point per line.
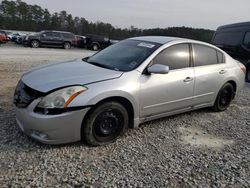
x=196, y=149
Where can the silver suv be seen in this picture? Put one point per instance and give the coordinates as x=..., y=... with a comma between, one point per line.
x=136, y=80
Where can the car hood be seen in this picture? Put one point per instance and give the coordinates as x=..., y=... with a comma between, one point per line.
x=56, y=75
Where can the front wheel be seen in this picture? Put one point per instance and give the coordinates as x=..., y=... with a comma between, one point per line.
x=224, y=98
x=105, y=124
x=95, y=47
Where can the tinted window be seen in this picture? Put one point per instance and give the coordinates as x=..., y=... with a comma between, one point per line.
x=67, y=35
x=57, y=34
x=204, y=55
x=176, y=57
x=124, y=56
x=48, y=34
x=232, y=39
x=220, y=57
x=247, y=39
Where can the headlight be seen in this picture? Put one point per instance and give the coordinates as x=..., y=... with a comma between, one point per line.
x=61, y=98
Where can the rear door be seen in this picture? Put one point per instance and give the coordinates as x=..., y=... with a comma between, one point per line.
x=210, y=71
x=57, y=39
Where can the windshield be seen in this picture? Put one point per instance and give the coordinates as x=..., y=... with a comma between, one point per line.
x=124, y=56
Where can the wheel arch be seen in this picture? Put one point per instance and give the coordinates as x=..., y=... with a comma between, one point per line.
x=67, y=42
x=97, y=43
x=122, y=100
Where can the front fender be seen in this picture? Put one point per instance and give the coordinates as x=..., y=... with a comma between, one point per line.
x=100, y=91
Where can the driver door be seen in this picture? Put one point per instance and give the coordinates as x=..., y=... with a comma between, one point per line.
x=164, y=93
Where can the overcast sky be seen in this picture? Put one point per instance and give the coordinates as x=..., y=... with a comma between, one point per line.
x=154, y=13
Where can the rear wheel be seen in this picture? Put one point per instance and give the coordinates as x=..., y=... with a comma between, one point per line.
x=66, y=45
x=224, y=98
x=105, y=124
x=35, y=44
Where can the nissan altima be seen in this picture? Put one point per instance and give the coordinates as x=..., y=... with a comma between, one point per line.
x=98, y=98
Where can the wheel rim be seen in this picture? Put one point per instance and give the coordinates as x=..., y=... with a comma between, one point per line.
x=66, y=46
x=95, y=47
x=225, y=97
x=35, y=44
x=108, y=125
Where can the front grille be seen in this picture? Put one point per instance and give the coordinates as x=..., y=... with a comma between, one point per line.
x=24, y=95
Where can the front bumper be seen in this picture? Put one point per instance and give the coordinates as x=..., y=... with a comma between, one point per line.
x=50, y=129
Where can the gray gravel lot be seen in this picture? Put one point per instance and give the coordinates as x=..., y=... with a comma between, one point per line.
x=196, y=149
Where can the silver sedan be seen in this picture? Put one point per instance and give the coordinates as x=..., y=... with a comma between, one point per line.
x=98, y=98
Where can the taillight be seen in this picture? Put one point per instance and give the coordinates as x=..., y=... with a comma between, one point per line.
x=243, y=68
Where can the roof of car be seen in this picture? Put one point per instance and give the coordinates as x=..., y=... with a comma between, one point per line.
x=242, y=24
x=157, y=39
x=56, y=31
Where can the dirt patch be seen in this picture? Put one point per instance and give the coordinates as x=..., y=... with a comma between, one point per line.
x=197, y=137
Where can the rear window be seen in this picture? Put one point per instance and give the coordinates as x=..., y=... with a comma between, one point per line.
x=231, y=39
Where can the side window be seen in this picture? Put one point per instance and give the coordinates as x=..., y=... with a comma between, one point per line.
x=220, y=57
x=230, y=39
x=204, y=55
x=176, y=57
x=67, y=35
x=48, y=34
x=58, y=35
x=247, y=39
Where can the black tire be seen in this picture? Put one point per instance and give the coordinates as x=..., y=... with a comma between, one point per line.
x=224, y=98
x=66, y=45
x=35, y=44
x=105, y=124
x=95, y=47
x=248, y=71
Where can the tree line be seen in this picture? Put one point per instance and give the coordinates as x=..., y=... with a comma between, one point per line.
x=18, y=15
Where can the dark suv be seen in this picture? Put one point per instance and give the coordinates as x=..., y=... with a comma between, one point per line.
x=96, y=42
x=235, y=40
x=51, y=38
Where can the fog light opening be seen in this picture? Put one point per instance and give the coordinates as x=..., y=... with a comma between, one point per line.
x=41, y=135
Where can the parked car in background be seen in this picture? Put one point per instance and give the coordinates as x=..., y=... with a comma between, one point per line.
x=14, y=37
x=51, y=38
x=235, y=40
x=20, y=39
x=97, y=42
x=98, y=98
x=3, y=37
x=81, y=41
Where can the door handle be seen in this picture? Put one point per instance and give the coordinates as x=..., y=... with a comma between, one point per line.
x=188, y=79
x=222, y=71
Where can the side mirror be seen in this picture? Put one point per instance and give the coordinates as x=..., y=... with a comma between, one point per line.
x=158, y=69
x=85, y=59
